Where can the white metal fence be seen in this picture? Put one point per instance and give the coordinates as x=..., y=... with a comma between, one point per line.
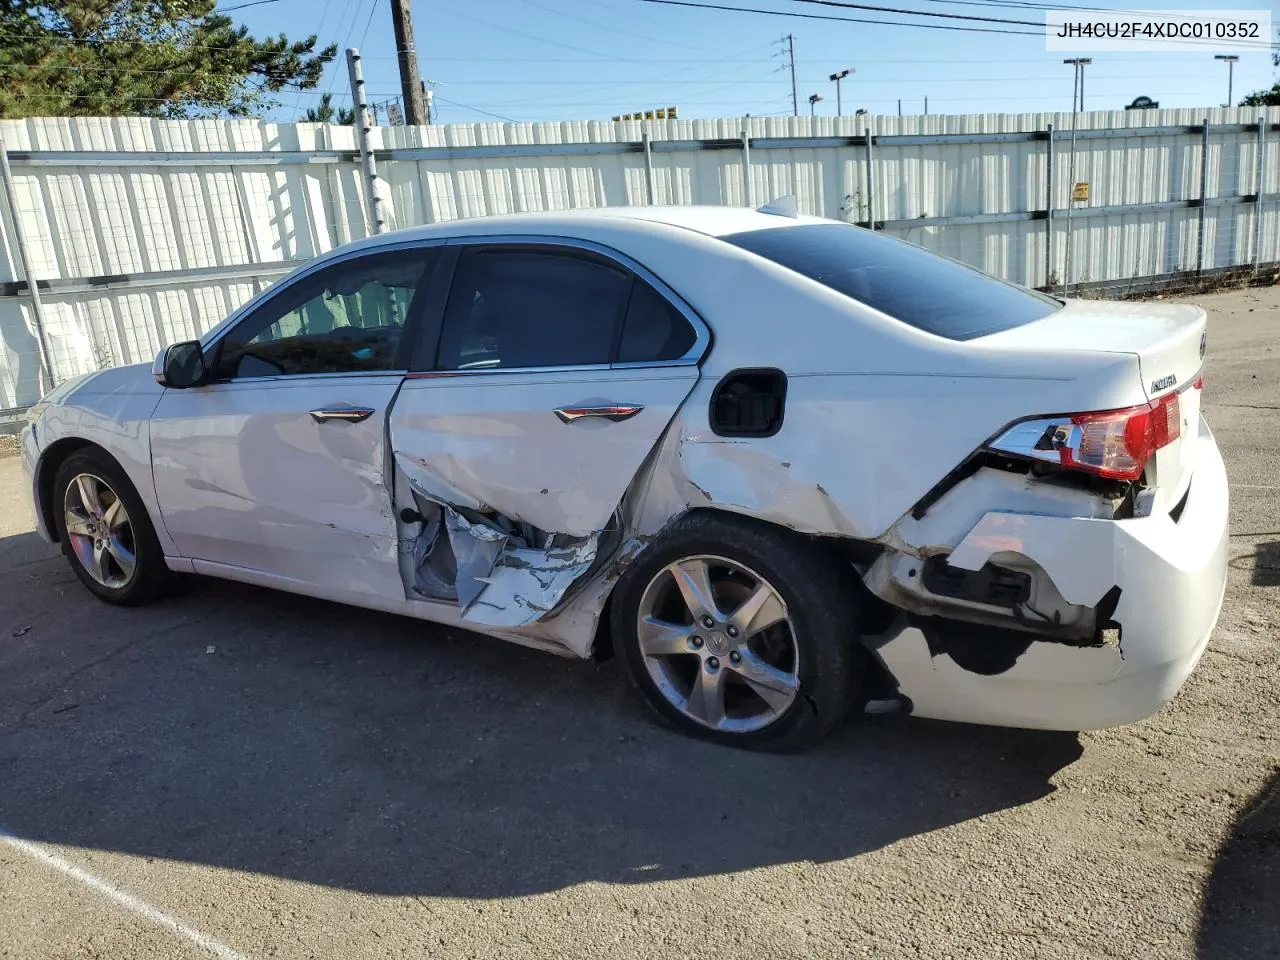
x=141, y=232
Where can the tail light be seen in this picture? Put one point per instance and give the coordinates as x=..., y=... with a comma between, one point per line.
x=1114, y=443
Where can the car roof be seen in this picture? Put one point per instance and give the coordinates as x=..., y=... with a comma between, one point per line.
x=712, y=221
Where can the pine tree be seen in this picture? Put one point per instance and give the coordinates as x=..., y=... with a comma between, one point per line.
x=325, y=112
x=155, y=58
x=1265, y=98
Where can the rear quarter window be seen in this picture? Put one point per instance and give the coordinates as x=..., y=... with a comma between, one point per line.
x=899, y=279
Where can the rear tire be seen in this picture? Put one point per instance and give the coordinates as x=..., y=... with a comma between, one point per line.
x=106, y=532
x=741, y=633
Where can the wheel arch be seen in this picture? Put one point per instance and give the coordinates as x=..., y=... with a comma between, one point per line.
x=838, y=548
x=51, y=460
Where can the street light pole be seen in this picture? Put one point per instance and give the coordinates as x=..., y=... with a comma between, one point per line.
x=1231, y=61
x=1077, y=82
x=813, y=102
x=836, y=78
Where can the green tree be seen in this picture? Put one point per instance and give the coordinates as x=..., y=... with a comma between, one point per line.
x=325, y=112
x=155, y=58
x=1265, y=98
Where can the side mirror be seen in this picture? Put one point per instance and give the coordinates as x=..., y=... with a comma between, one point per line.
x=180, y=365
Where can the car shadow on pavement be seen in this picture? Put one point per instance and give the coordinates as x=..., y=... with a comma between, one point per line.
x=1266, y=564
x=257, y=731
x=1242, y=900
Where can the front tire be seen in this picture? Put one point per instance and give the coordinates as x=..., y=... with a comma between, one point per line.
x=105, y=531
x=741, y=633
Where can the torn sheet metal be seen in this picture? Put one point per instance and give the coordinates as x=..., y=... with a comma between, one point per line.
x=527, y=584
x=476, y=549
x=486, y=563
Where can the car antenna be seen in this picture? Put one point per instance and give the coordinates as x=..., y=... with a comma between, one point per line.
x=781, y=207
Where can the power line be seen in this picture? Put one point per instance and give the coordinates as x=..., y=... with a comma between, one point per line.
x=514, y=32
x=897, y=23
x=829, y=18
x=355, y=9
x=1024, y=5
x=324, y=16
x=254, y=3
x=373, y=8
x=649, y=82
x=847, y=5
x=596, y=82
x=919, y=13
x=602, y=26
x=467, y=106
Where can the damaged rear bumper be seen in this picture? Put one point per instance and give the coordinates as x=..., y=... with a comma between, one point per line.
x=1171, y=573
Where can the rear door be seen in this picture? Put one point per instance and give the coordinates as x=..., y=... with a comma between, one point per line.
x=556, y=369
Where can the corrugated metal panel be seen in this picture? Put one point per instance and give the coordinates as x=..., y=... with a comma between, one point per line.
x=176, y=213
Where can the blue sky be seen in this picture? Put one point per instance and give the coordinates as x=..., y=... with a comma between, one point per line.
x=590, y=59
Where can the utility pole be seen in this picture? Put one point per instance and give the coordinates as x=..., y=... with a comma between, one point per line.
x=836, y=78
x=1231, y=62
x=791, y=52
x=415, y=107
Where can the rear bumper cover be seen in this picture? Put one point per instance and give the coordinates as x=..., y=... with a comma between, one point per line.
x=1171, y=574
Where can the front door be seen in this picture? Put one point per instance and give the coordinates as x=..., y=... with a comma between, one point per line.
x=277, y=465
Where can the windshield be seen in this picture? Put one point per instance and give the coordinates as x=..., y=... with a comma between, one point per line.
x=900, y=279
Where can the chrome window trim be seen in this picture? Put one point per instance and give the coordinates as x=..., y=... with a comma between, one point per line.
x=702, y=333
x=692, y=357
x=295, y=377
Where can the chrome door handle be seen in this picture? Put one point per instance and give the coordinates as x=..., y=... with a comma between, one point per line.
x=611, y=411
x=348, y=414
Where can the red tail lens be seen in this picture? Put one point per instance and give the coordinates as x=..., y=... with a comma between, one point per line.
x=1118, y=443
x=1199, y=384
x=1115, y=443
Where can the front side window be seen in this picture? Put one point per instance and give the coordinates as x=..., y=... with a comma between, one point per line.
x=900, y=279
x=348, y=318
x=540, y=307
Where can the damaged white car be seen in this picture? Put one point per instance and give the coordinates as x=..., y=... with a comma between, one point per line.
x=781, y=466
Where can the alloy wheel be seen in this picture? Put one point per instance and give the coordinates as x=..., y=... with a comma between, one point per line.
x=718, y=643
x=100, y=531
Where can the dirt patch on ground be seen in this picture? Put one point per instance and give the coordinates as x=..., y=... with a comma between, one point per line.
x=8, y=445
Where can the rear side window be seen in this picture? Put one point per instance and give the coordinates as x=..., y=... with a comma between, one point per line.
x=654, y=330
x=531, y=308
x=900, y=279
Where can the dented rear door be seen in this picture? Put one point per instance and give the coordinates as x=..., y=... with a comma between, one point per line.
x=557, y=370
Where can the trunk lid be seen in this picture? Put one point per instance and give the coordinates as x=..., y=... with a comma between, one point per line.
x=1168, y=340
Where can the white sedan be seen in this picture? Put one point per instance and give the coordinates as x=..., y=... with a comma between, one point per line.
x=781, y=466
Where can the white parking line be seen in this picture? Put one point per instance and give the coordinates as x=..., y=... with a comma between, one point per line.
x=126, y=900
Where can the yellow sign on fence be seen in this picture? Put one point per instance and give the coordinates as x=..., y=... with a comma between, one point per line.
x=1080, y=191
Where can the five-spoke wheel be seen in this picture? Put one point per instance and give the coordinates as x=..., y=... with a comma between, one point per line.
x=741, y=632
x=718, y=643
x=98, y=526
x=105, y=530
